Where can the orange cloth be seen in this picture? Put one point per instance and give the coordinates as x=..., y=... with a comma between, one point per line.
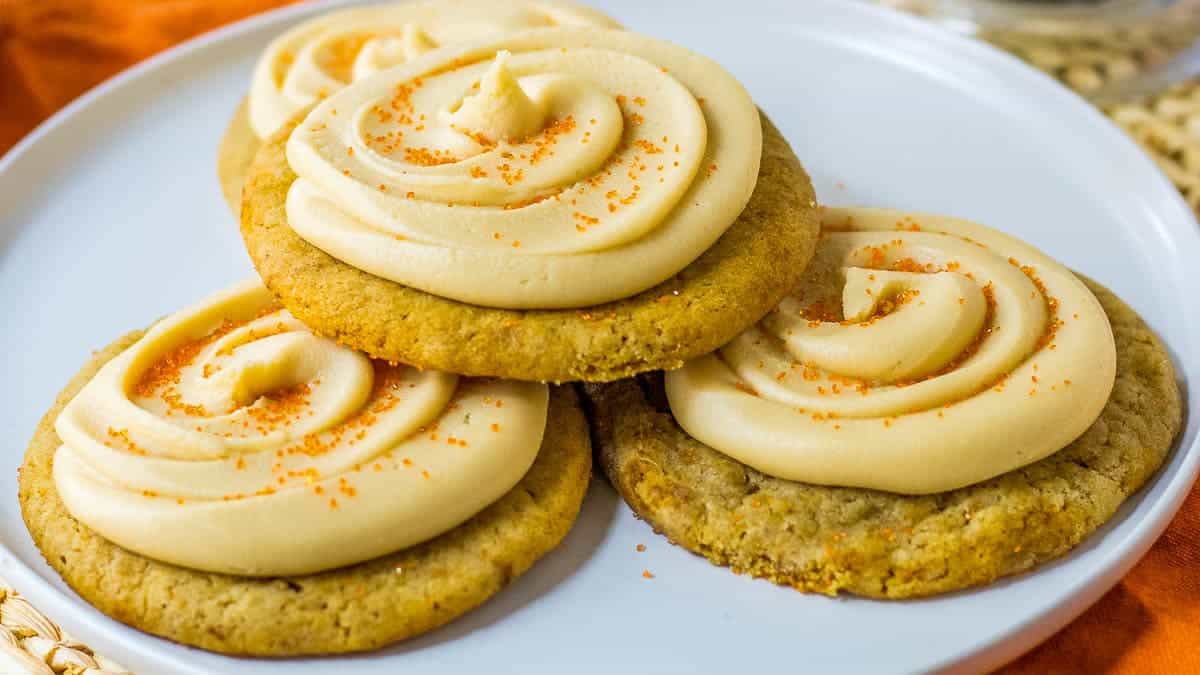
x=53, y=50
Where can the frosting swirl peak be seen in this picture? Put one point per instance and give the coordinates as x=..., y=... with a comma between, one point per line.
x=517, y=171
x=231, y=439
x=324, y=54
x=499, y=109
x=920, y=354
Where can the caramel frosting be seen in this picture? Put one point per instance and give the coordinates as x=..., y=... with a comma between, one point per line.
x=231, y=439
x=920, y=354
x=554, y=168
x=322, y=55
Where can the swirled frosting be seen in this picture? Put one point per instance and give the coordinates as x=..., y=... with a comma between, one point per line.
x=322, y=55
x=231, y=439
x=920, y=354
x=553, y=168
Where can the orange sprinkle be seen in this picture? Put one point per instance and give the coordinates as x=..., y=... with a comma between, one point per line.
x=647, y=575
x=427, y=157
x=641, y=547
x=647, y=147
x=123, y=436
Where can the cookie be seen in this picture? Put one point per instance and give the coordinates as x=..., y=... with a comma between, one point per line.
x=886, y=545
x=234, y=156
x=355, y=608
x=732, y=285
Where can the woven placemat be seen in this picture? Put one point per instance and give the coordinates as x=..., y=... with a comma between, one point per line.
x=32, y=644
x=1166, y=125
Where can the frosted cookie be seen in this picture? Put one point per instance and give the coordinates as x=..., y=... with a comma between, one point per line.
x=237, y=477
x=322, y=55
x=935, y=406
x=561, y=204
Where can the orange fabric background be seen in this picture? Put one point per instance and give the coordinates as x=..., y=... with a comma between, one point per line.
x=53, y=50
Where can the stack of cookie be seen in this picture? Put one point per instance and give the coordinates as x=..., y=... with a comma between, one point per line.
x=456, y=210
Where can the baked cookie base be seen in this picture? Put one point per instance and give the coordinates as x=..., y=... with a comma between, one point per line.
x=732, y=285
x=350, y=609
x=236, y=153
x=883, y=545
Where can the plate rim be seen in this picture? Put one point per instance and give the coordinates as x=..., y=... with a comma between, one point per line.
x=989, y=654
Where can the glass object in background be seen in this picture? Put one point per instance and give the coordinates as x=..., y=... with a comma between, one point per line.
x=1138, y=59
x=1108, y=50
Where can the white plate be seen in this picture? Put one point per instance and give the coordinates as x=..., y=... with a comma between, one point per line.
x=112, y=217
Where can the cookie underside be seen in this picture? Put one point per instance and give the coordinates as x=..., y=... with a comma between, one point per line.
x=732, y=285
x=353, y=608
x=883, y=545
